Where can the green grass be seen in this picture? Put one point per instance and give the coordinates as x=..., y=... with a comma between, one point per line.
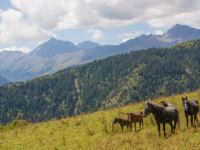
x=94, y=132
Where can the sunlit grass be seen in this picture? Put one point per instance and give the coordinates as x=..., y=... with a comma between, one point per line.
x=94, y=132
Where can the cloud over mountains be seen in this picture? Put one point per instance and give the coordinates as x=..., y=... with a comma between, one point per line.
x=37, y=20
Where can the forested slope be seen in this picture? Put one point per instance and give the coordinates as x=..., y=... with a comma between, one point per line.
x=110, y=82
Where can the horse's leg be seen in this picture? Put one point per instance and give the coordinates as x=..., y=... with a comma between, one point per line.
x=128, y=127
x=191, y=119
x=175, y=123
x=122, y=127
x=196, y=118
x=131, y=126
x=158, y=124
x=135, y=126
x=171, y=125
x=140, y=124
x=186, y=116
x=164, y=129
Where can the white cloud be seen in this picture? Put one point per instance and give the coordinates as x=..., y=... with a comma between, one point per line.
x=13, y=28
x=129, y=35
x=37, y=20
x=13, y=48
x=96, y=34
x=187, y=18
x=158, y=32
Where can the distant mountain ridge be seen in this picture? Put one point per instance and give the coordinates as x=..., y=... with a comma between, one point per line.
x=88, y=45
x=180, y=33
x=53, y=47
x=54, y=55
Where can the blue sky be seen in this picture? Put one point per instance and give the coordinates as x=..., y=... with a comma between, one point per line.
x=5, y=4
x=24, y=24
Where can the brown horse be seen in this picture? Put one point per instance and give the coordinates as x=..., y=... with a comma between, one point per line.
x=136, y=117
x=122, y=123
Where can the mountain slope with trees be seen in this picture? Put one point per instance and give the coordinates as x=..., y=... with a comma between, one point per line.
x=111, y=82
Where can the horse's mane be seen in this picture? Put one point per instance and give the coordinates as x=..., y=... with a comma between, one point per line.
x=156, y=105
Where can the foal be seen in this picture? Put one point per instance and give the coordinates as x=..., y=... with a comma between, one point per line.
x=122, y=123
x=136, y=117
x=191, y=108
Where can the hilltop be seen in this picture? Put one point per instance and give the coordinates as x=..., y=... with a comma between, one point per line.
x=94, y=131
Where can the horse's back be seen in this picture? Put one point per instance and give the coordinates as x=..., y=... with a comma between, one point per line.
x=194, y=105
x=171, y=113
x=136, y=117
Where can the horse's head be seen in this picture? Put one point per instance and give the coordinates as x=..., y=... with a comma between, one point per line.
x=184, y=99
x=115, y=120
x=164, y=103
x=113, y=123
x=185, y=103
x=129, y=115
x=147, y=108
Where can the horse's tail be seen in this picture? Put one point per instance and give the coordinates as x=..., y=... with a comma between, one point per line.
x=197, y=106
x=113, y=126
x=178, y=120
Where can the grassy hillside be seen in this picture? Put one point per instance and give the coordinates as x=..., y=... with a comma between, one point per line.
x=112, y=82
x=94, y=132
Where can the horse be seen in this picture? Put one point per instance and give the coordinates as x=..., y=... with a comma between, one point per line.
x=136, y=117
x=191, y=108
x=122, y=123
x=162, y=115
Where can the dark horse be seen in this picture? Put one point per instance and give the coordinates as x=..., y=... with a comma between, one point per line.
x=136, y=117
x=191, y=108
x=162, y=115
x=122, y=123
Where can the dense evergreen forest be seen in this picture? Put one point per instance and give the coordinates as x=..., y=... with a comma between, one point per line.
x=111, y=82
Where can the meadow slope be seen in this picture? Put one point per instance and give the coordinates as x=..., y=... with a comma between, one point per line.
x=94, y=132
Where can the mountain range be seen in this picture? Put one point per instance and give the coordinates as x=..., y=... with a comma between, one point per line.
x=54, y=54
